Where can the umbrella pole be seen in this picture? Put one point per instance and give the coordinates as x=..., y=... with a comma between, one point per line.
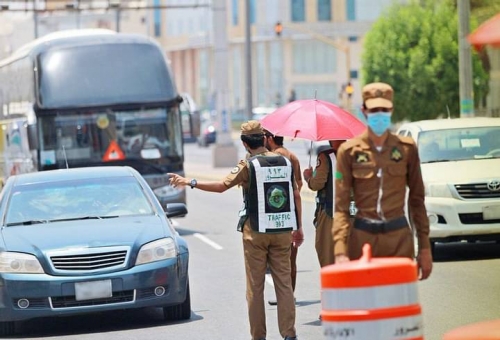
x=310, y=153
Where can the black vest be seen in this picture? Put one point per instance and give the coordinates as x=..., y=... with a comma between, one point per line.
x=269, y=199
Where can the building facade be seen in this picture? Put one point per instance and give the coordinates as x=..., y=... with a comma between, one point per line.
x=316, y=55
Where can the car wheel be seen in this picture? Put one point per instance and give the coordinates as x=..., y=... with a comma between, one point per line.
x=7, y=328
x=181, y=311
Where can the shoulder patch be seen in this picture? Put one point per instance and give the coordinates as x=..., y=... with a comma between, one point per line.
x=362, y=157
x=349, y=144
x=338, y=175
x=235, y=170
x=396, y=155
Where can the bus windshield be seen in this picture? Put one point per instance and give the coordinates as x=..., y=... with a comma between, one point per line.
x=104, y=74
x=145, y=136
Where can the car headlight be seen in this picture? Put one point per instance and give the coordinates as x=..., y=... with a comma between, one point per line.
x=156, y=251
x=438, y=190
x=11, y=262
x=165, y=191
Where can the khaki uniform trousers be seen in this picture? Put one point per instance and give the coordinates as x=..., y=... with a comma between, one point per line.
x=261, y=250
x=397, y=243
x=324, y=238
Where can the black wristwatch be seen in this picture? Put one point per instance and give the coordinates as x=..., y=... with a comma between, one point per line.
x=193, y=183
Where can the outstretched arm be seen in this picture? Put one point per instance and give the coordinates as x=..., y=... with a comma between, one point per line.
x=212, y=186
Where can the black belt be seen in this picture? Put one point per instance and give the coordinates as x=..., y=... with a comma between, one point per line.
x=377, y=227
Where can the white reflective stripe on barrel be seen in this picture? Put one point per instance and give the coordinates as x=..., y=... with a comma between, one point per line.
x=395, y=329
x=369, y=297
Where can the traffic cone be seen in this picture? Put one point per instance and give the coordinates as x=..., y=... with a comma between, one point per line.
x=371, y=298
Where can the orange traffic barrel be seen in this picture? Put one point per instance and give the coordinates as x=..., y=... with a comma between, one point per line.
x=371, y=298
x=486, y=330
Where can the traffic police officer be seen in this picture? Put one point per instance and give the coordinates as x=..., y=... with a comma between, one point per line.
x=377, y=167
x=322, y=181
x=270, y=224
x=275, y=144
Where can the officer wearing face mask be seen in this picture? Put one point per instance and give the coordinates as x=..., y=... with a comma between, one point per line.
x=378, y=167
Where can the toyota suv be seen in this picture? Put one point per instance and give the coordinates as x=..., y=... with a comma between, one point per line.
x=460, y=163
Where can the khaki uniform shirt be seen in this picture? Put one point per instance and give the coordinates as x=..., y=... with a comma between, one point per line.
x=379, y=181
x=321, y=172
x=295, y=163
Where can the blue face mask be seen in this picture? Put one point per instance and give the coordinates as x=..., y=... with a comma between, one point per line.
x=379, y=122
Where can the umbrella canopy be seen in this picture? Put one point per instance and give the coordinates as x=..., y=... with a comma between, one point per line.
x=313, y=119
x=486, y=34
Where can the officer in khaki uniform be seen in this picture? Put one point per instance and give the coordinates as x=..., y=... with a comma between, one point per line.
x=270, y=224
x=378, y=166
x=322, y=180
x=275, y=144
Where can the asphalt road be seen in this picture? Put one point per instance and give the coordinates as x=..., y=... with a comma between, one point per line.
x=464, y=287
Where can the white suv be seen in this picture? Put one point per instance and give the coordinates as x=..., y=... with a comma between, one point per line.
x=460, y=162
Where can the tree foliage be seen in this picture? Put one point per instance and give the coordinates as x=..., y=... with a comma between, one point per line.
x=414, y=48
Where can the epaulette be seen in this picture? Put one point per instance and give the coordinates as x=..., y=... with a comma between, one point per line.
x=349, y=144
x=406, y=140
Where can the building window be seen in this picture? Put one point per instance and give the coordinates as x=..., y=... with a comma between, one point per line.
x=237, y=77
x=298, y=10
x=353, y=38
x=324, y=91
x=157, y=19
x=324, y=10
x=235, y=12
x=252, y=11
x=261, y=65
x=351, y=10
x=313, y=57
x=354, y=74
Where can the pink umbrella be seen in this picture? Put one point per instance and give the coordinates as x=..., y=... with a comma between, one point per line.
x=313, y=119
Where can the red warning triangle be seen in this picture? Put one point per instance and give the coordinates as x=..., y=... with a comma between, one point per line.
x=113, y=153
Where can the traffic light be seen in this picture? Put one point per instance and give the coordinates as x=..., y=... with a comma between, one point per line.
x=278, y=28
x=349, y=89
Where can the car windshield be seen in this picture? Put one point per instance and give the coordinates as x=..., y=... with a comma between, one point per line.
x=97, y=198
x=459, y=144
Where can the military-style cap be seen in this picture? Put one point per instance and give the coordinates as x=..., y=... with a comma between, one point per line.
x=378, y=95
x=252, y=127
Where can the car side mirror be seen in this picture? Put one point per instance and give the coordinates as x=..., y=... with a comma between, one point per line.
x=176, y=210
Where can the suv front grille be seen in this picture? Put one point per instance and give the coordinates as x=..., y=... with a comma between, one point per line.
x=476, y=190
x=475, y=218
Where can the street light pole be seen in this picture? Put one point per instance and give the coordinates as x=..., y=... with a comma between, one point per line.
x=248, y=61
x=465, y=60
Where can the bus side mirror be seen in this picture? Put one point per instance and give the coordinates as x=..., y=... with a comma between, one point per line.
x=33, y=137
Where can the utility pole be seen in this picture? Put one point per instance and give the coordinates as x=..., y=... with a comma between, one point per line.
x=248, y=60
x=225, y=154
x=465, y=60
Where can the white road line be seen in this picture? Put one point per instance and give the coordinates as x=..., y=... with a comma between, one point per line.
x=269, y=280
x=207, y=241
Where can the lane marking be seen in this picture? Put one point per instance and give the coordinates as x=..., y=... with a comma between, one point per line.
x=207, y=241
